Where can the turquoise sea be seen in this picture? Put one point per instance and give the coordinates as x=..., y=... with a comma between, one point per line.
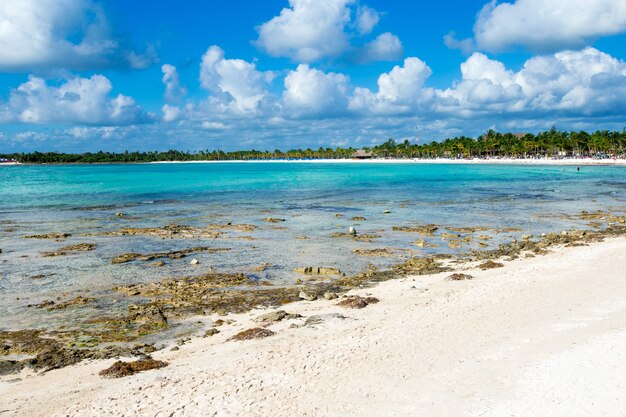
x=315, y=200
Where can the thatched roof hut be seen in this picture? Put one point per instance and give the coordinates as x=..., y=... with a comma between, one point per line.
x=362, y=154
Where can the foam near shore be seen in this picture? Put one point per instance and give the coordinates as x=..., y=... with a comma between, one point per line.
x=539, y=336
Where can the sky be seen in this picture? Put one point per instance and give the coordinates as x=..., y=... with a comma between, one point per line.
x=115, y=75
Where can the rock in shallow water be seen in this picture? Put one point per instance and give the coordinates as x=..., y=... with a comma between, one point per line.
x=427, y=230
x=126, y=257
x=373, y=252
x=273, y=220
x=67, y=250
x=49, y=236
x=178, y=254
x=51, y=305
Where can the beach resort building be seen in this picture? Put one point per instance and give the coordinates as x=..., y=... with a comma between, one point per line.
x=362, y=154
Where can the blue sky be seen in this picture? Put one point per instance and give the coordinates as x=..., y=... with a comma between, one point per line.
x=78, y=75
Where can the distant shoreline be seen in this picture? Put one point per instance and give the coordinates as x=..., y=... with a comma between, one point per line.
x=494, y=161
x=417, y=161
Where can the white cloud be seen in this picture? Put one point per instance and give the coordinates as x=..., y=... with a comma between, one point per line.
x=174, y=91
x=213, y=125
x=479, y=66
x=310, y=92
x=103, y=132
x=307, y=31
x=547, y=25
x=5, y=113
x=313, y=30
x=78, y=100
x=400, y=90
x=170, y=113
x=236, y=84
x=588, y=81
x=140, y=60
x=464, y=45
x=30, y=136
x=484, y=82
x=386, y=47
x=404, y=83
x=565, y=84
x=65, y=34
x=574, y=89
x=582, y=82
x=366, y=19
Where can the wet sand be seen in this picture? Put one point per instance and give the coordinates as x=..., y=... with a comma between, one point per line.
x=540, y=336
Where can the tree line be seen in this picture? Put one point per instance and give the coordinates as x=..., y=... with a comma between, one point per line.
x=492, y=144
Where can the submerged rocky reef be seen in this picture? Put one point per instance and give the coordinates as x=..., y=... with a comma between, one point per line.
x=161, y=306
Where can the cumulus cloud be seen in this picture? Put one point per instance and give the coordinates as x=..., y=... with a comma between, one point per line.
x=102, y=132
x=404, y=82
x=307, y=31
x=312, y=30
x=213, y=125
x=5, y=113
x=174, y=91
x=366, y=19
x=62, y=34
x=569, y=82
x=587, y=81
x=575, y=89
x=565, y=84
x=484, y=82
x=78, y=100
x=311, y=92
x=400, y=90
x=235, y=84
x=466, y=46
x=547, y=25
x=171, y=113
x=386, y=47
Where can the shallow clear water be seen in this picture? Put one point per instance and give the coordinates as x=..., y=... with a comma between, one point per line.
x=83, y=200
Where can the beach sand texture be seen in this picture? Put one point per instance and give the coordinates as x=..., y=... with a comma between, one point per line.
x=543, y=336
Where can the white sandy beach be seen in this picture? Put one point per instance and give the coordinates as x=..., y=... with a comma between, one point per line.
x=499, y=161
x=543, y=336
x=473, y=161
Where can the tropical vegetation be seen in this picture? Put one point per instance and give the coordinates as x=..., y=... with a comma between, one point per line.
x=492, y=144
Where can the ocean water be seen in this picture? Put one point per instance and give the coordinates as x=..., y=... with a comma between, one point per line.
x=315, y=200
